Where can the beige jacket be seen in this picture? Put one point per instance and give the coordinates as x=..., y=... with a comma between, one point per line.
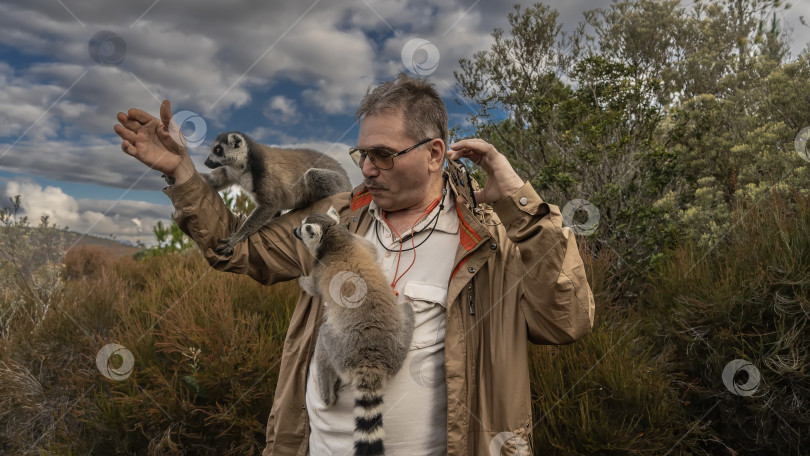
x=518, y=277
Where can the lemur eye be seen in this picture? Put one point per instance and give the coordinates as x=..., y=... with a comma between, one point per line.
x=218, y=150
x=309, y=229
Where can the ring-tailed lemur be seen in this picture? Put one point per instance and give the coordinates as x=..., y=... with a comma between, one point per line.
x=366, y=334
x=276, y=179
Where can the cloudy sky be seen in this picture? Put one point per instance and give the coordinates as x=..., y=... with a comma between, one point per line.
x=287, y=72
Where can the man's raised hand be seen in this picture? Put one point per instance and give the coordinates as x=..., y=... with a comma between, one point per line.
x=502, y=180
x=157, y=143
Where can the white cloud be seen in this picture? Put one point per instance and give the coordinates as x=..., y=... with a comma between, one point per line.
x=281, y=109
x=87, y=159
x=24, y=104
x=216, y=59
x=37, y=202
x=125, y=220
x=214, y=69
x=261, y=134
x=210, y=58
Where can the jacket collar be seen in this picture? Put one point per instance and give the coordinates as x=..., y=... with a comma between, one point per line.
x=472, y=232
x=472, y=235
x=447, y=221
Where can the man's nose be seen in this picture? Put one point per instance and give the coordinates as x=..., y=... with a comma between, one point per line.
x=368, y=169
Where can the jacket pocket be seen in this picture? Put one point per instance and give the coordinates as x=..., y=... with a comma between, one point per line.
x=428, y=302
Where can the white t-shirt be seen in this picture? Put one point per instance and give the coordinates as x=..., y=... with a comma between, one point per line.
x=415, y=400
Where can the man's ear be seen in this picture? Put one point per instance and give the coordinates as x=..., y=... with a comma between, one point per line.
x=334, y=214
x=438, y=150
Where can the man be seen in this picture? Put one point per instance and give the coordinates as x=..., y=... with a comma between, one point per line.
x=481, y=284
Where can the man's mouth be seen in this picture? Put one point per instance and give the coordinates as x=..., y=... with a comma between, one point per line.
x=375, y=186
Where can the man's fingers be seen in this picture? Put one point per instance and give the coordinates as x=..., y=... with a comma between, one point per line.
x=125, y=134
x=165, y=113
x=470, y=154
x=474, y=149
x=128, y=148
x=131, y=124
x=460, y=152
x=139, y=115
x=168, y=139
x=165, y=136
x=460, y=144
x=475, y=144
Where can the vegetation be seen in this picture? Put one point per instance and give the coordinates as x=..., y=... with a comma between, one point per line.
x=661, y=117
x=679, y=124
x=206, y=348
x=30, y=270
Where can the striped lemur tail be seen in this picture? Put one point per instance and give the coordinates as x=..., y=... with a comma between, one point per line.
x=368, y=410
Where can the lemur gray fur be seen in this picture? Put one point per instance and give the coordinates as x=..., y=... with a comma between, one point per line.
x=366, y=334
x=276, y=179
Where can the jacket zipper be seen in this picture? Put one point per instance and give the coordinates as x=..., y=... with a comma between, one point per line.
x=471, y=303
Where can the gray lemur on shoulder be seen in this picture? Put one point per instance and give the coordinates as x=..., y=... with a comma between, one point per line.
x=366, y=334
x=276, y=179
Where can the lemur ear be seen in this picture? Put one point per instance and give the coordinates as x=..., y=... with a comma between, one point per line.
x=333, y=213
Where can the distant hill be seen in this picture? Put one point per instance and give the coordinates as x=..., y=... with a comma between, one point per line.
x=116, y=248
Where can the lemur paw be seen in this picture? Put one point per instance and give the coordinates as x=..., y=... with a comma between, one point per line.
x=328, y=397
x=225, y=247
x=307, y=284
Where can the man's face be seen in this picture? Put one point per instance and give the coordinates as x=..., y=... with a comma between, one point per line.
x=406, y=184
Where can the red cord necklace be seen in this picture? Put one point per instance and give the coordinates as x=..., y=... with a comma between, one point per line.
x=399, y=253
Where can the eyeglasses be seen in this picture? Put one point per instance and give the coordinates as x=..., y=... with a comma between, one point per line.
x=381, y=158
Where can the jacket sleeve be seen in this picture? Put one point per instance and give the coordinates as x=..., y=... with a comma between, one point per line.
x=270, y=255
x=556, y=299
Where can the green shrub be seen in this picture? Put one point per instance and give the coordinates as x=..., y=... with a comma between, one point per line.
x=608, y=393
x=30, y=269
x=746, y=297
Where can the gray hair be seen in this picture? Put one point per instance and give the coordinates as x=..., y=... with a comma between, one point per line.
x=423, y=110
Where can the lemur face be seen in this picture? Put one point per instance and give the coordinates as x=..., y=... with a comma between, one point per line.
x=313, y=227
x=310, y=233
x=228, y=149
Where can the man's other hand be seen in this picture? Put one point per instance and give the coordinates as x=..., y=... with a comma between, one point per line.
x=502, y=180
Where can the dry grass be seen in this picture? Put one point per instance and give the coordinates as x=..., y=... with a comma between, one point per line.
x=206, y=348
x=608, y=393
